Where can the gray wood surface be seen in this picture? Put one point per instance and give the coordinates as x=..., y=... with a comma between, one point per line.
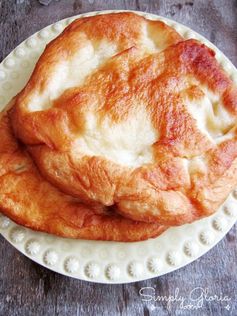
x=28, y=289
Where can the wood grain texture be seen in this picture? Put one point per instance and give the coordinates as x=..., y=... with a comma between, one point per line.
x=28, y=289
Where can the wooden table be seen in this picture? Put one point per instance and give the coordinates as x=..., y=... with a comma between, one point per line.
x=29, y=289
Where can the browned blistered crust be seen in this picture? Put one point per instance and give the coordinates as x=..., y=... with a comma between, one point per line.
x=165, y=191
x=31, y=201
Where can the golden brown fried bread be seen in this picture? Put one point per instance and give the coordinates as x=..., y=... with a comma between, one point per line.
x=122, y=111
x=30, y=201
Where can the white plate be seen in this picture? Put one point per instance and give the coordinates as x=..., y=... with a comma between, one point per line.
x=109, y=262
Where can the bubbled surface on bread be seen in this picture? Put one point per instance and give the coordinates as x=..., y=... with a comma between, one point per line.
x=123, y=111
x=28, y=199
